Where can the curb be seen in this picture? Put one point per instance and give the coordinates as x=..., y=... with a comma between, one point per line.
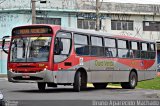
x=3, y=75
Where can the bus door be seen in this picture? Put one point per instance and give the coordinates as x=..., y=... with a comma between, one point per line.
x=62, y=51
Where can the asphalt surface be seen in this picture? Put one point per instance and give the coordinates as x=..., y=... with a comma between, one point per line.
x=28, y=92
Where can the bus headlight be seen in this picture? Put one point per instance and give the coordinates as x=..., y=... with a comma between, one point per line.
x=45, y=68
x=10, y=69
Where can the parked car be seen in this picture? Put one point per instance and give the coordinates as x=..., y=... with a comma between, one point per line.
x=1, y=100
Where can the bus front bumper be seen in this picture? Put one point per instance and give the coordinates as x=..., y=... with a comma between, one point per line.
x=43, y=76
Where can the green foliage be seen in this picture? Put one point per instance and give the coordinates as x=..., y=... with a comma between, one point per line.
x=150, y=84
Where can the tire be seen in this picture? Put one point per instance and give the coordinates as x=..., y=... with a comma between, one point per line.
x=77, y=82
x=83, y=81
x=100, y=85
x=41, y=86
x=132, y=81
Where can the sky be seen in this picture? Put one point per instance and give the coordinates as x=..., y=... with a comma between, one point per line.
x=135, y=1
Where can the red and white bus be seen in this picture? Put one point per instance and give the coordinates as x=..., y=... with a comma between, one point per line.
x=53, y=55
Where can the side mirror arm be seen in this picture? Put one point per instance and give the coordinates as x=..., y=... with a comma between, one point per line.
x=3, y=43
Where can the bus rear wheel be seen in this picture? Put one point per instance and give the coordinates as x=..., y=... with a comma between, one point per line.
x=100, y=85
x=132, y=81
x=41, y=86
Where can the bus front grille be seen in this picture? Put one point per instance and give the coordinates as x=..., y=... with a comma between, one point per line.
x=29, y=78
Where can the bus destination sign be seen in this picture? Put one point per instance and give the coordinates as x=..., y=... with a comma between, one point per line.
x=25, y=31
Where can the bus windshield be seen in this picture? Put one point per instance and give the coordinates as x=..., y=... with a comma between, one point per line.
x=30, y=49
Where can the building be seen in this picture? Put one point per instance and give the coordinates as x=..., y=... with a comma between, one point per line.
x=137, y=20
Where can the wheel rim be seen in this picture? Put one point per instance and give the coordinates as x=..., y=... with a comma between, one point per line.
x=133, y=80
x=80, y=81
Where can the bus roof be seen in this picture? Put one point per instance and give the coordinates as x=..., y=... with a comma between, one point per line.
x=90, y=32
x=37, y=25
x=104, y=34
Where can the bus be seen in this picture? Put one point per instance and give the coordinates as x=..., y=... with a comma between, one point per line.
x=158, y=57
x=52, y=55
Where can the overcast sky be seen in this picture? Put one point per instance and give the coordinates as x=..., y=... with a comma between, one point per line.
x=136, y=1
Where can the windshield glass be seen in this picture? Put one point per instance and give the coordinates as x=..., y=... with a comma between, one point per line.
x=30, y=49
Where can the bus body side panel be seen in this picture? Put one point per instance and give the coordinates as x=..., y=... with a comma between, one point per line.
x=141, y=75
x=121, y=73
x=118, y=70
x=104, y=70
x=151, y=72
x=63, y=76
x=99, y=72
x=65, y=71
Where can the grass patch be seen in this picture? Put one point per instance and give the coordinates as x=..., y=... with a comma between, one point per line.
x=150, y=84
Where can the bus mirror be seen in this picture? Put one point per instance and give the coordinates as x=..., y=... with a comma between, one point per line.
x=58, y=46
x=3, y=43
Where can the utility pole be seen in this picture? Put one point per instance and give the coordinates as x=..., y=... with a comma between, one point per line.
x=33, y=11
x=97, y=16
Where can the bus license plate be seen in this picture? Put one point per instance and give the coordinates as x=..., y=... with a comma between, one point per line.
x=26, y=76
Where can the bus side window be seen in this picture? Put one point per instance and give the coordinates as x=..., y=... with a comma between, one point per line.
x=152, y=53
x=81, y=44
x=134, y=52
x=97, y=46
x=144, y=50
x=122, y=49
x=110, y=47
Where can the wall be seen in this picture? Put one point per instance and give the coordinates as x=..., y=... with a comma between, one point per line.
x=10, y=20
x=138, y=26
x=3, y=62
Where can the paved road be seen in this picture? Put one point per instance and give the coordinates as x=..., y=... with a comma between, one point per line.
x=29, y=91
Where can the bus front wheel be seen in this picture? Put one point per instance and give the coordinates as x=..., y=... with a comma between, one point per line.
x=132, y=81
x=77, y=82
x=41, y=86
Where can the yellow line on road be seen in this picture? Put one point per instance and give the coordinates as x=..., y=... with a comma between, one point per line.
x=108, y=86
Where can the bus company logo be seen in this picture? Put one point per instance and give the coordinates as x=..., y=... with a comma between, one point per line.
x=104, y=63
x=26, y=64
x=133, y=63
